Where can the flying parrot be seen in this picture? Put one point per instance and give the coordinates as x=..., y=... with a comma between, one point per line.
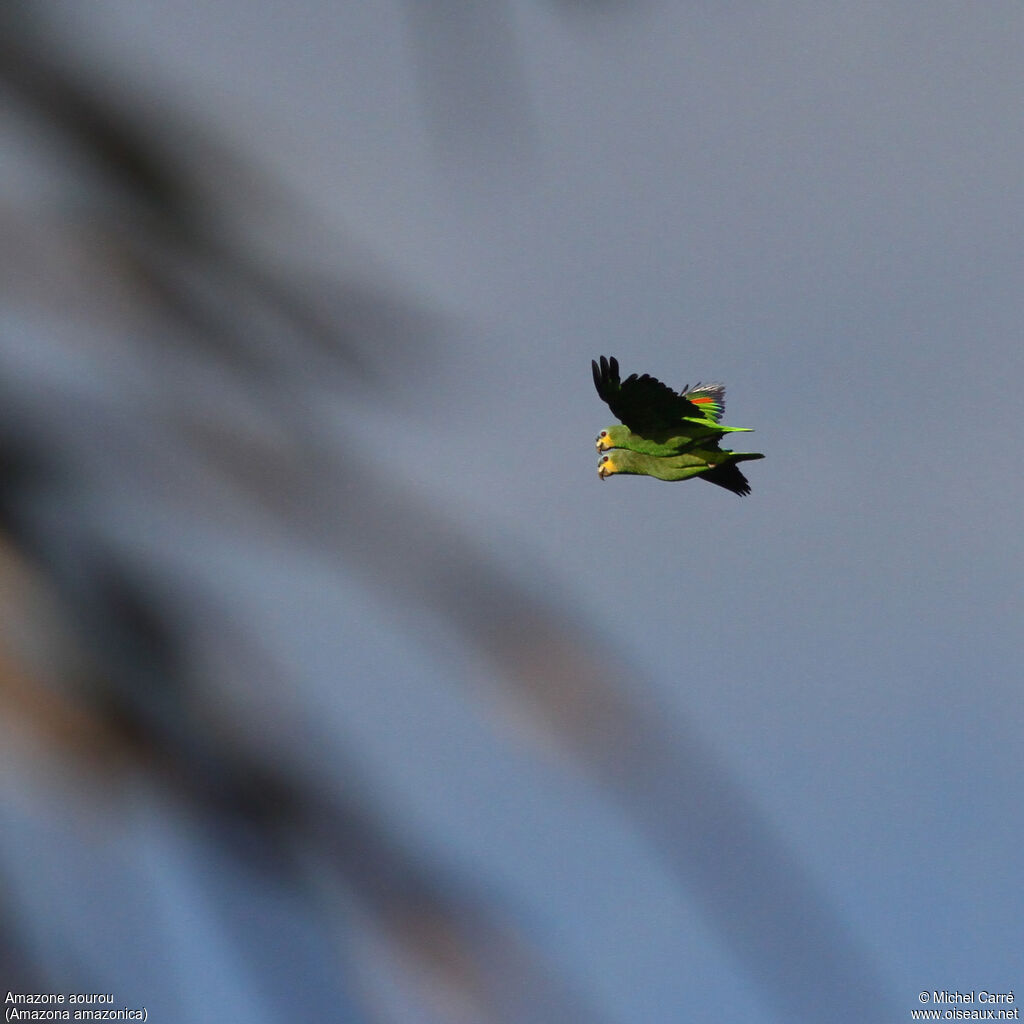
x=713, y=464
x=665, y=434
x=655, y=419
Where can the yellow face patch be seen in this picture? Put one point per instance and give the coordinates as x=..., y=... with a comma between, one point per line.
x=606, y=466
x=604, y=442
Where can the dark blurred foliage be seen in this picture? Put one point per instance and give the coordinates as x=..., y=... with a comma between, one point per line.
x=149, y=264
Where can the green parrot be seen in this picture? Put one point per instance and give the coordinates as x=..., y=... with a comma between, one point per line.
x=712, y=464
x=655, y=419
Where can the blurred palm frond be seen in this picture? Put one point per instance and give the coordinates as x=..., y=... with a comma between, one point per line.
x=162, y=370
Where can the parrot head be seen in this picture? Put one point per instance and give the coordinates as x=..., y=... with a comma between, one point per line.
x=606, y=466
x=611, y=438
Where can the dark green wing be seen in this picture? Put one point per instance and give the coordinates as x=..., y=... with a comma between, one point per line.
x=727, y=474
x=710, y=398
x=643, y=404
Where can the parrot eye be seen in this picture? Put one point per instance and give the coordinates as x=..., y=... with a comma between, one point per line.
x=604, y=458
x=604, y=433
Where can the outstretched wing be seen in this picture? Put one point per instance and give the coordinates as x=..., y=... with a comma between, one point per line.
x=710, y=398
x=643, y=404
x=727, y=474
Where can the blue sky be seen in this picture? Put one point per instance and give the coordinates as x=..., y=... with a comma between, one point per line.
x=820, y=205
